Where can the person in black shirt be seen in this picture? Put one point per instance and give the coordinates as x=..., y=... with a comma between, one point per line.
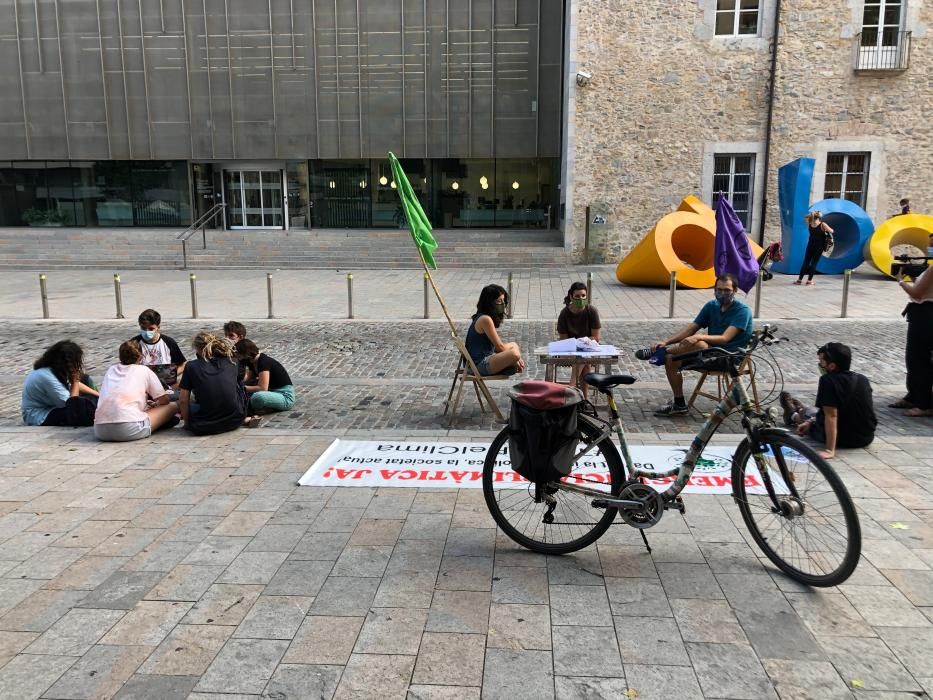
x=268, y=385
x=820, y=233
x=219, y=402
x=844, y=415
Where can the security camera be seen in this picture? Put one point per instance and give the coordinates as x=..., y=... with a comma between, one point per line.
x=583, y=78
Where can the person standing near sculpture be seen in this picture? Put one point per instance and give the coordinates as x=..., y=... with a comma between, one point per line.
x=820, y=235
x=919, y=354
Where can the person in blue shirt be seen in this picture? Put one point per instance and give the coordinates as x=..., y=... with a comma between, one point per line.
x=57, y=391
x=728, y=324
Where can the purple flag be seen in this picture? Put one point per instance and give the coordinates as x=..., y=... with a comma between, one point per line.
x=731, y=250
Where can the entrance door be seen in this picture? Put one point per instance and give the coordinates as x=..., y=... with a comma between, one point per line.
x=881, y=36
x=254, y=198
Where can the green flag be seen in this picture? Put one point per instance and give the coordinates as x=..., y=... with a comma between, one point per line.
x=418, y=222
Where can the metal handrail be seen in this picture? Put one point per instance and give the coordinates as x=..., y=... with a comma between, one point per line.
x=893, y=55
x=200, y=223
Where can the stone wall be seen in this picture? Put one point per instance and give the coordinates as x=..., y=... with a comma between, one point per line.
x=665, y=92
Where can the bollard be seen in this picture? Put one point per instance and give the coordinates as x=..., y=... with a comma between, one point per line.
x=758, y=282
x=846, y=276
x=508, y=309
x=194, y=295
x=586, y=237
x=44, y=293
x=589, y=287
x=426, y=298
x=670, y=308
x=118, y=295
x=269, y=293
x=349, y=296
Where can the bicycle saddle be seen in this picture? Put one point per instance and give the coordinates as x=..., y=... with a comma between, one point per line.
x=607, y=381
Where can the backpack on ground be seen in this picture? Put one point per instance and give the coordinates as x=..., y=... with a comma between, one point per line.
x=543, y=433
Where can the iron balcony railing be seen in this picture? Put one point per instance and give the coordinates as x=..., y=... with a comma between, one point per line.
x=891, y=53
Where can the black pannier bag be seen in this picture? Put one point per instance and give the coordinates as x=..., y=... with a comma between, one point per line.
x=543, y=434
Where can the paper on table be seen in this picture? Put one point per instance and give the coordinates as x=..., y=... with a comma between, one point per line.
x=557, y=347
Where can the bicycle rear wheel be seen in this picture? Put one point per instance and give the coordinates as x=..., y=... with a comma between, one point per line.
x=809, y=528
x=576, y=524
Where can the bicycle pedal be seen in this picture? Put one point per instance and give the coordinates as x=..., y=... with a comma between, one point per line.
x=676, y=504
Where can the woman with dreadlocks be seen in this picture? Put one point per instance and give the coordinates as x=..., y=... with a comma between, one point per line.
x=57, y=391
x=211, y=392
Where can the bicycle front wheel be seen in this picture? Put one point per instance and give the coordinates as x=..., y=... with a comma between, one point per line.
x=574, y=523
x=807, y=525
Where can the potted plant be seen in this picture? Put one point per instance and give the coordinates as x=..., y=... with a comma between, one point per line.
x=43, y=217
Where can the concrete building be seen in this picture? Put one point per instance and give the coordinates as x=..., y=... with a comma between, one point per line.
x=679, y=103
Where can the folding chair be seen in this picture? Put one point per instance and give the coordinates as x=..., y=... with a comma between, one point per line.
x=466, y=372
x=724, y=383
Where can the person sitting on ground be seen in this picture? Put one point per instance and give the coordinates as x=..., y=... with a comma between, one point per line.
x=160, y=353
x=234, y=331
x=133, y=403
x=578, y=319
x=844, y=415
x=728, y=322
x=489, y=353
x=212, y=399
x=57, y=391
x=268, y=385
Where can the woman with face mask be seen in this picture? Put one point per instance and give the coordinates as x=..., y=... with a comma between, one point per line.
x=919, y=354
x=489, y=353
x=578, y=319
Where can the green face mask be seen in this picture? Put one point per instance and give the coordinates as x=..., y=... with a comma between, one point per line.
x=579, y=303
x=500, y=308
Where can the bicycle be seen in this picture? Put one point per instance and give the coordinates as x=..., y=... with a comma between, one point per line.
x=811, y=534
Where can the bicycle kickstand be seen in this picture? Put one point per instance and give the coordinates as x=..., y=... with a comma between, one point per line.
x=645, y=540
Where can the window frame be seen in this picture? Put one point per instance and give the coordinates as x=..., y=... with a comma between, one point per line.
x=736, y=13
x=844, y=174
x=730, y=193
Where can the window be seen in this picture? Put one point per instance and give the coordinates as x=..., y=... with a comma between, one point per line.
x=881, y=37
x=733, y=176
x=737, y=17
x=847, y=177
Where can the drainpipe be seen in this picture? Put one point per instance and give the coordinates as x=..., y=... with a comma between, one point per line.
x=774, y=48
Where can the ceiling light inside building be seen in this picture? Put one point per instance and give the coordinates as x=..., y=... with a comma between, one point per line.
x=383, y=180
x=392, y=184
x=515, y=185
x=333, y=185
x=455, y=185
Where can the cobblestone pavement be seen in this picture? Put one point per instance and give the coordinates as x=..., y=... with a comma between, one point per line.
x=196, y=568
x=399, y=294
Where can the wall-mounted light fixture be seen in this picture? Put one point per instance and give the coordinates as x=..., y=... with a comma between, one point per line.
x=515, y=185
x=455, y=185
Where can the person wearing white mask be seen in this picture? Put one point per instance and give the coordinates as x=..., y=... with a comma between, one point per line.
x=160, y=353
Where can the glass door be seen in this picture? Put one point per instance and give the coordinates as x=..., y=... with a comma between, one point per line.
x=881, y=24
x=254, y=198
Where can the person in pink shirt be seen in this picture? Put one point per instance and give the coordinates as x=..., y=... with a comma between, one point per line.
x=133, y=403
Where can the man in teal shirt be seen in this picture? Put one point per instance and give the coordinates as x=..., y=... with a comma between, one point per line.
x=728, y=323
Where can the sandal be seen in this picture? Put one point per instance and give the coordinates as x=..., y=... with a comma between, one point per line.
x=810, y=283
x=798, y=282
x=918, y=412
x=253, y=422
x=901, y=403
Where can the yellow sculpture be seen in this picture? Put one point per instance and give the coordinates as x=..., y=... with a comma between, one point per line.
x=682, y=241
x=908, y=229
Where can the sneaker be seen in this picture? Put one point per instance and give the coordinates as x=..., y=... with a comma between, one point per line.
x=644, y=354
x=672, y=409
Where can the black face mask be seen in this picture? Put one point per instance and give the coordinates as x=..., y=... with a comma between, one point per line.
x=724, y=297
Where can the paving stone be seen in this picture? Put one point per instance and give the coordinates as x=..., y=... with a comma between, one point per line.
x=337, y=520
x=470, y=542
x=829, y=615
x=192, y=528
x=100, y=673
x=730, y=557
x=513, y=626
x=40, y=610
x=387, y=504
x=28, y=677
x=187, y=651
x=301, y=578
x=450, y=659
x=707, y=621
x=223, y=604
x=912, y=647
x=253, y=567
x=11, y=643
x=689, y=581
x=580, y=605
x=303, y=681
x=216, y=504
x=277, y=538
x=48, y=563
x=242, y=666
x=884, y=607
x=653, y=682
x=146, y=624
x=376, y=532
x=323, y=546
x=323, y=640
x=806, y=680
x=161, y=555
x=578, y=569
x=185, y=582
x=869, y=661
x=459, y=611
x=655, y=640
x=730, y=671
x=122, y=590
x=405, y=590
x=917, y=586
x=465, y=574
x=75, y=633
x=127, y=542
x=274, y=617
x=362, y=560
x=391, y=631
x=777, y=632
x=601, y=658
x=157, y=688
x=348, y=596
x=241, y=524
x=296, y=513
x=520, y=584
x=216, y=550
x=508, y=553
x=86, y=574
x=425, y=526
x=375, y=676
x=442, y=692
x=633, y=596
x=890, y=554
x=518, y=673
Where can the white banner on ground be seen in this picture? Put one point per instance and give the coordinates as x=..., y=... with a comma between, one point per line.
x=460, y=465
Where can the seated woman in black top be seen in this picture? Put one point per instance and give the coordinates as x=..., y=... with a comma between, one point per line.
x=578, y=320
x=268, y=385
x=219, y=403
x=489, y=353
